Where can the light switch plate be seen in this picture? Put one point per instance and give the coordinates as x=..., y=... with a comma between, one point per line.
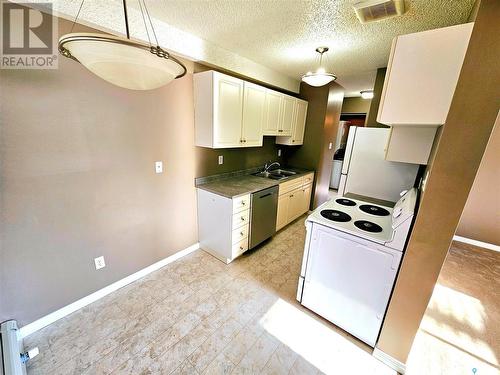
x=158, y=166
x=330, y=145
x=221, y=159
x=99, y=263
x=279, y=152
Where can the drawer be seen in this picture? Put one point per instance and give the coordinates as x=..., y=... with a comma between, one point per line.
x=239, y=234
x=240, y=247
x=241, y=203
x=241, y=218
x=288, y=186
x=308, y=179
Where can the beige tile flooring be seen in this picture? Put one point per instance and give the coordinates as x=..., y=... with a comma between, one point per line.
x=200, y=316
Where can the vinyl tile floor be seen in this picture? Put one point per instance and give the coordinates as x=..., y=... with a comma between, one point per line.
x=200, y=316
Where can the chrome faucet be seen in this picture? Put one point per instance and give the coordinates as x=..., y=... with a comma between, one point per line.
x=268, y=166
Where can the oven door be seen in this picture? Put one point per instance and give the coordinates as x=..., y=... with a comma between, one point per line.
x=348, y=280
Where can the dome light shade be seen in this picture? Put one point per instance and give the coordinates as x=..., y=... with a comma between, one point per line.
x=122, y=62
x=367, y=94
x=321, y=76
x=318, y=79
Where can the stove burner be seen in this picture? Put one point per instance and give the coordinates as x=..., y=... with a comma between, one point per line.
x=374, y=210
x=335, y=215
x=345, y=202
x=368, y=226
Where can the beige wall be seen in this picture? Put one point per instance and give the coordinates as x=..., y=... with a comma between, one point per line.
x=323, y=114
x=463, y=140
x=356, y=105
x=77, y=181
x=371, y=118
x=481, y=216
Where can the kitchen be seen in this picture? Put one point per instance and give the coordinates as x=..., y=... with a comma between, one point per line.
x=210, y=258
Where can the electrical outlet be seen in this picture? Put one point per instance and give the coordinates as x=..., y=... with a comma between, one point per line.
x=99, y=263
x=158, y=166
x=279, y=152
x=221, y=159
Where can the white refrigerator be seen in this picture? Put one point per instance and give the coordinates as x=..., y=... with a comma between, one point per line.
x=365, y=170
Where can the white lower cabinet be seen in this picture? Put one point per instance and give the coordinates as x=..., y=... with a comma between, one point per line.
x=223, y=224
x=294, y=199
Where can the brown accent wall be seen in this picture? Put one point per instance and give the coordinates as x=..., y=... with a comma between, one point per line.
x=237, y=158
x=77, y=181
x=323, y=114
x=481, y=216
x=356, y=105
x=371, y=118
x=472, y=115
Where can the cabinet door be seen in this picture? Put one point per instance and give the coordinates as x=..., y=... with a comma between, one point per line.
x=282, y=216
x=306, y=198
x=253, y=114
x=287, y=116
x=272, y=112
x=296, y=205
x=299, y=122
x=228, y=108
x=422, y=75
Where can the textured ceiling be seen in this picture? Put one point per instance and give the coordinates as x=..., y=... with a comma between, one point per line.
x=282, y=34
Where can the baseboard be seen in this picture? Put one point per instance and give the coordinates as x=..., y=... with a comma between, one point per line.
x=66, y=310
x=389, y=361
x=477, y=243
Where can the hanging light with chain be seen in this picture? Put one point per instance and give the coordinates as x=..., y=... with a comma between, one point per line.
x=121, y=61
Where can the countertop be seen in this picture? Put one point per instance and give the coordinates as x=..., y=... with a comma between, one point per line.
x=232, y=187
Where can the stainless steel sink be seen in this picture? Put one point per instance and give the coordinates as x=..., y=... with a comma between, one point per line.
x=276, y=174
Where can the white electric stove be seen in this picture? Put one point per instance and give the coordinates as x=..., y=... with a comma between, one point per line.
x=351, y=257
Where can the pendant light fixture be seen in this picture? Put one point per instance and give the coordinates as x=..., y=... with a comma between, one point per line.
x=366, y=94
x=320, y=77
x=122, y=61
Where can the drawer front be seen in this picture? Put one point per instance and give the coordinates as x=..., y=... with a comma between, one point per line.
x=240, y=247
x=239, y=234
x=241, y=218
x=308, y=179
x=241, y=203
x=288, y=186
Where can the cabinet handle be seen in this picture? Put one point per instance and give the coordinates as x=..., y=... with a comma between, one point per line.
x=241, y=234
x=243, y=203
x=241, y=247
x=242, y=219
x=293, y=140
x=291, y=196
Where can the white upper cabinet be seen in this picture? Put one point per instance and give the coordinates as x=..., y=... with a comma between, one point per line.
x=298, y=122
x=272, y=112
x=253, y=114
x=286, y=119
x=228, y=105
x=218, y=109
x=230, y=112
x=422, y=75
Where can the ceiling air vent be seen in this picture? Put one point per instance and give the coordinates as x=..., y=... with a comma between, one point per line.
x=376, y=10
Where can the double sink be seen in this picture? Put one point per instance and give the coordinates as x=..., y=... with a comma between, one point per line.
x=275, y=174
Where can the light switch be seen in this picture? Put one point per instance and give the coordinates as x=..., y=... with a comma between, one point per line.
x=279, y=152
x=330, y=145
x=221, y=159
x=159, y=167
x=99, y=263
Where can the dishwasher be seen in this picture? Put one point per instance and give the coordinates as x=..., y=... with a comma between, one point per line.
x=264, y=208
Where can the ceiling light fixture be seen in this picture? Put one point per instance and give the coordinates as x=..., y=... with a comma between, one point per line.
x=122, y=61
x=367, y=94
x=320, y=77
